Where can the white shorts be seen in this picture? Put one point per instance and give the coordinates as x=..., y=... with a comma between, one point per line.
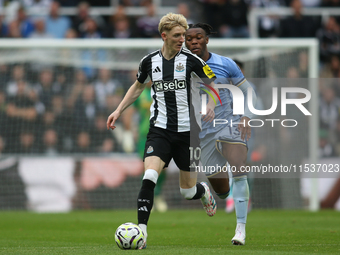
x=211, y=146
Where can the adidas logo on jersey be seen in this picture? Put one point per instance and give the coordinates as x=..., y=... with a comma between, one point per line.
x=156, y=70
x=193, y=165
x=170, y=85
x=143, y=208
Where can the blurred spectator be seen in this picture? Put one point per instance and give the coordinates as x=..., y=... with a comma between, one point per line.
x=71, y=34
x=3, y=116
x=329, y=109
x=326, y=149
x=297, y=25
x=235, y=23
x=55, y=24
x=183, y=8
x=303, y=64
x=48, y=121
x=83, y=14
x=337, y=136
x=18, y=74
x=50, y=145
x=40, y=53
x=332, y=67
x=268, y=25
x=3, y=27
x=2, y=146
x=37, y=6
x=44, y=87
x=63, y=122
x=83, y=144
x=292, y=73
x=86, y=108
x=4, y=74
x=102, y=140
x=78, y=21
x=329, y=39
x=212, y=12
x=40, y=30
x=112, y=102
x=91, y=30
x=119, y=27
x=14, y=30
x=311, y=3
x=79, y=83
x=60, y=84
x=21, y=114
x=336, y=85
x=330, y=3
x=148, y=25
x=21, y=23
x=27, y=142
x=106, y=85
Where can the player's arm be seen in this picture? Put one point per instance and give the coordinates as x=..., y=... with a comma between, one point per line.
x=210, y=115
x=244, y=128
x=131, y=95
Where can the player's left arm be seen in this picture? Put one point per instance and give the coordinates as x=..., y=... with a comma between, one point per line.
x=210, y=115
x=244, y=127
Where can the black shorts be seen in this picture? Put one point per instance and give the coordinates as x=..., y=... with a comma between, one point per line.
x=167, y=144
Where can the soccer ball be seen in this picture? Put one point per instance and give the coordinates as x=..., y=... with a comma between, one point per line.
x=129, y=236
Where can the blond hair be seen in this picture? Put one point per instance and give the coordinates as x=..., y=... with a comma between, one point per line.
x=170, y=21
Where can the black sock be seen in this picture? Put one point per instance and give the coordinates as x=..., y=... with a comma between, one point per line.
x=200, y=191
x=145, y=201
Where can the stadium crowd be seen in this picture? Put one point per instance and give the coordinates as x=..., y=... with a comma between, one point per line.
x=62, y=109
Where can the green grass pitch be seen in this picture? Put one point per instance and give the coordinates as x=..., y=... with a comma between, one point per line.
x=174, y=232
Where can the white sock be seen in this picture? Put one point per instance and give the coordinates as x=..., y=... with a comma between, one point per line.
x=241, y=227
x=241, y=198
x=151, y=175
x=143, y=228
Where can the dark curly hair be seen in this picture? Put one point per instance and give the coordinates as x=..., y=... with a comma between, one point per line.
x=206, y=27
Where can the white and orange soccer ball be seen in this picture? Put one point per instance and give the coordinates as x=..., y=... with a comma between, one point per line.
x=129, y=236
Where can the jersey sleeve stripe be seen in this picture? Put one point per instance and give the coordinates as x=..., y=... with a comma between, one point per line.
x=241, y=82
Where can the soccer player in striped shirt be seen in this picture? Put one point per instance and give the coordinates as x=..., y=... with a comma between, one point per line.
x=224, y=143
x=172, y=115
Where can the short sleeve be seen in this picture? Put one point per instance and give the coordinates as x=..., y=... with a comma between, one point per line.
x=202, y=70
x=237, y=77
x=142, y=75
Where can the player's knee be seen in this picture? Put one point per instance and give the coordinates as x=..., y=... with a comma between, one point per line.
x=188, y=193
x=223, y=195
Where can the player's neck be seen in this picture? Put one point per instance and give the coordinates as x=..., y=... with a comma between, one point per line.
x=168, y=53
x=206, y=56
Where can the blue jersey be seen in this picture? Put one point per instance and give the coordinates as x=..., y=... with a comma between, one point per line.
x=227, y=72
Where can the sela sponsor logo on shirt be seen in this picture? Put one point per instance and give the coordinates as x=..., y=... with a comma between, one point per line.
x=164, y=86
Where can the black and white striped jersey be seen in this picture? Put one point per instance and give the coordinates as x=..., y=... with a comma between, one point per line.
x=171, y=87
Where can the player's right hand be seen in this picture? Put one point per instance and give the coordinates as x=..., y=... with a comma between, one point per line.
x=112, y=119
x=210, y=115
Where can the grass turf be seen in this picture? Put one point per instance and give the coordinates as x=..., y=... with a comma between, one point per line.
x=174, y=232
